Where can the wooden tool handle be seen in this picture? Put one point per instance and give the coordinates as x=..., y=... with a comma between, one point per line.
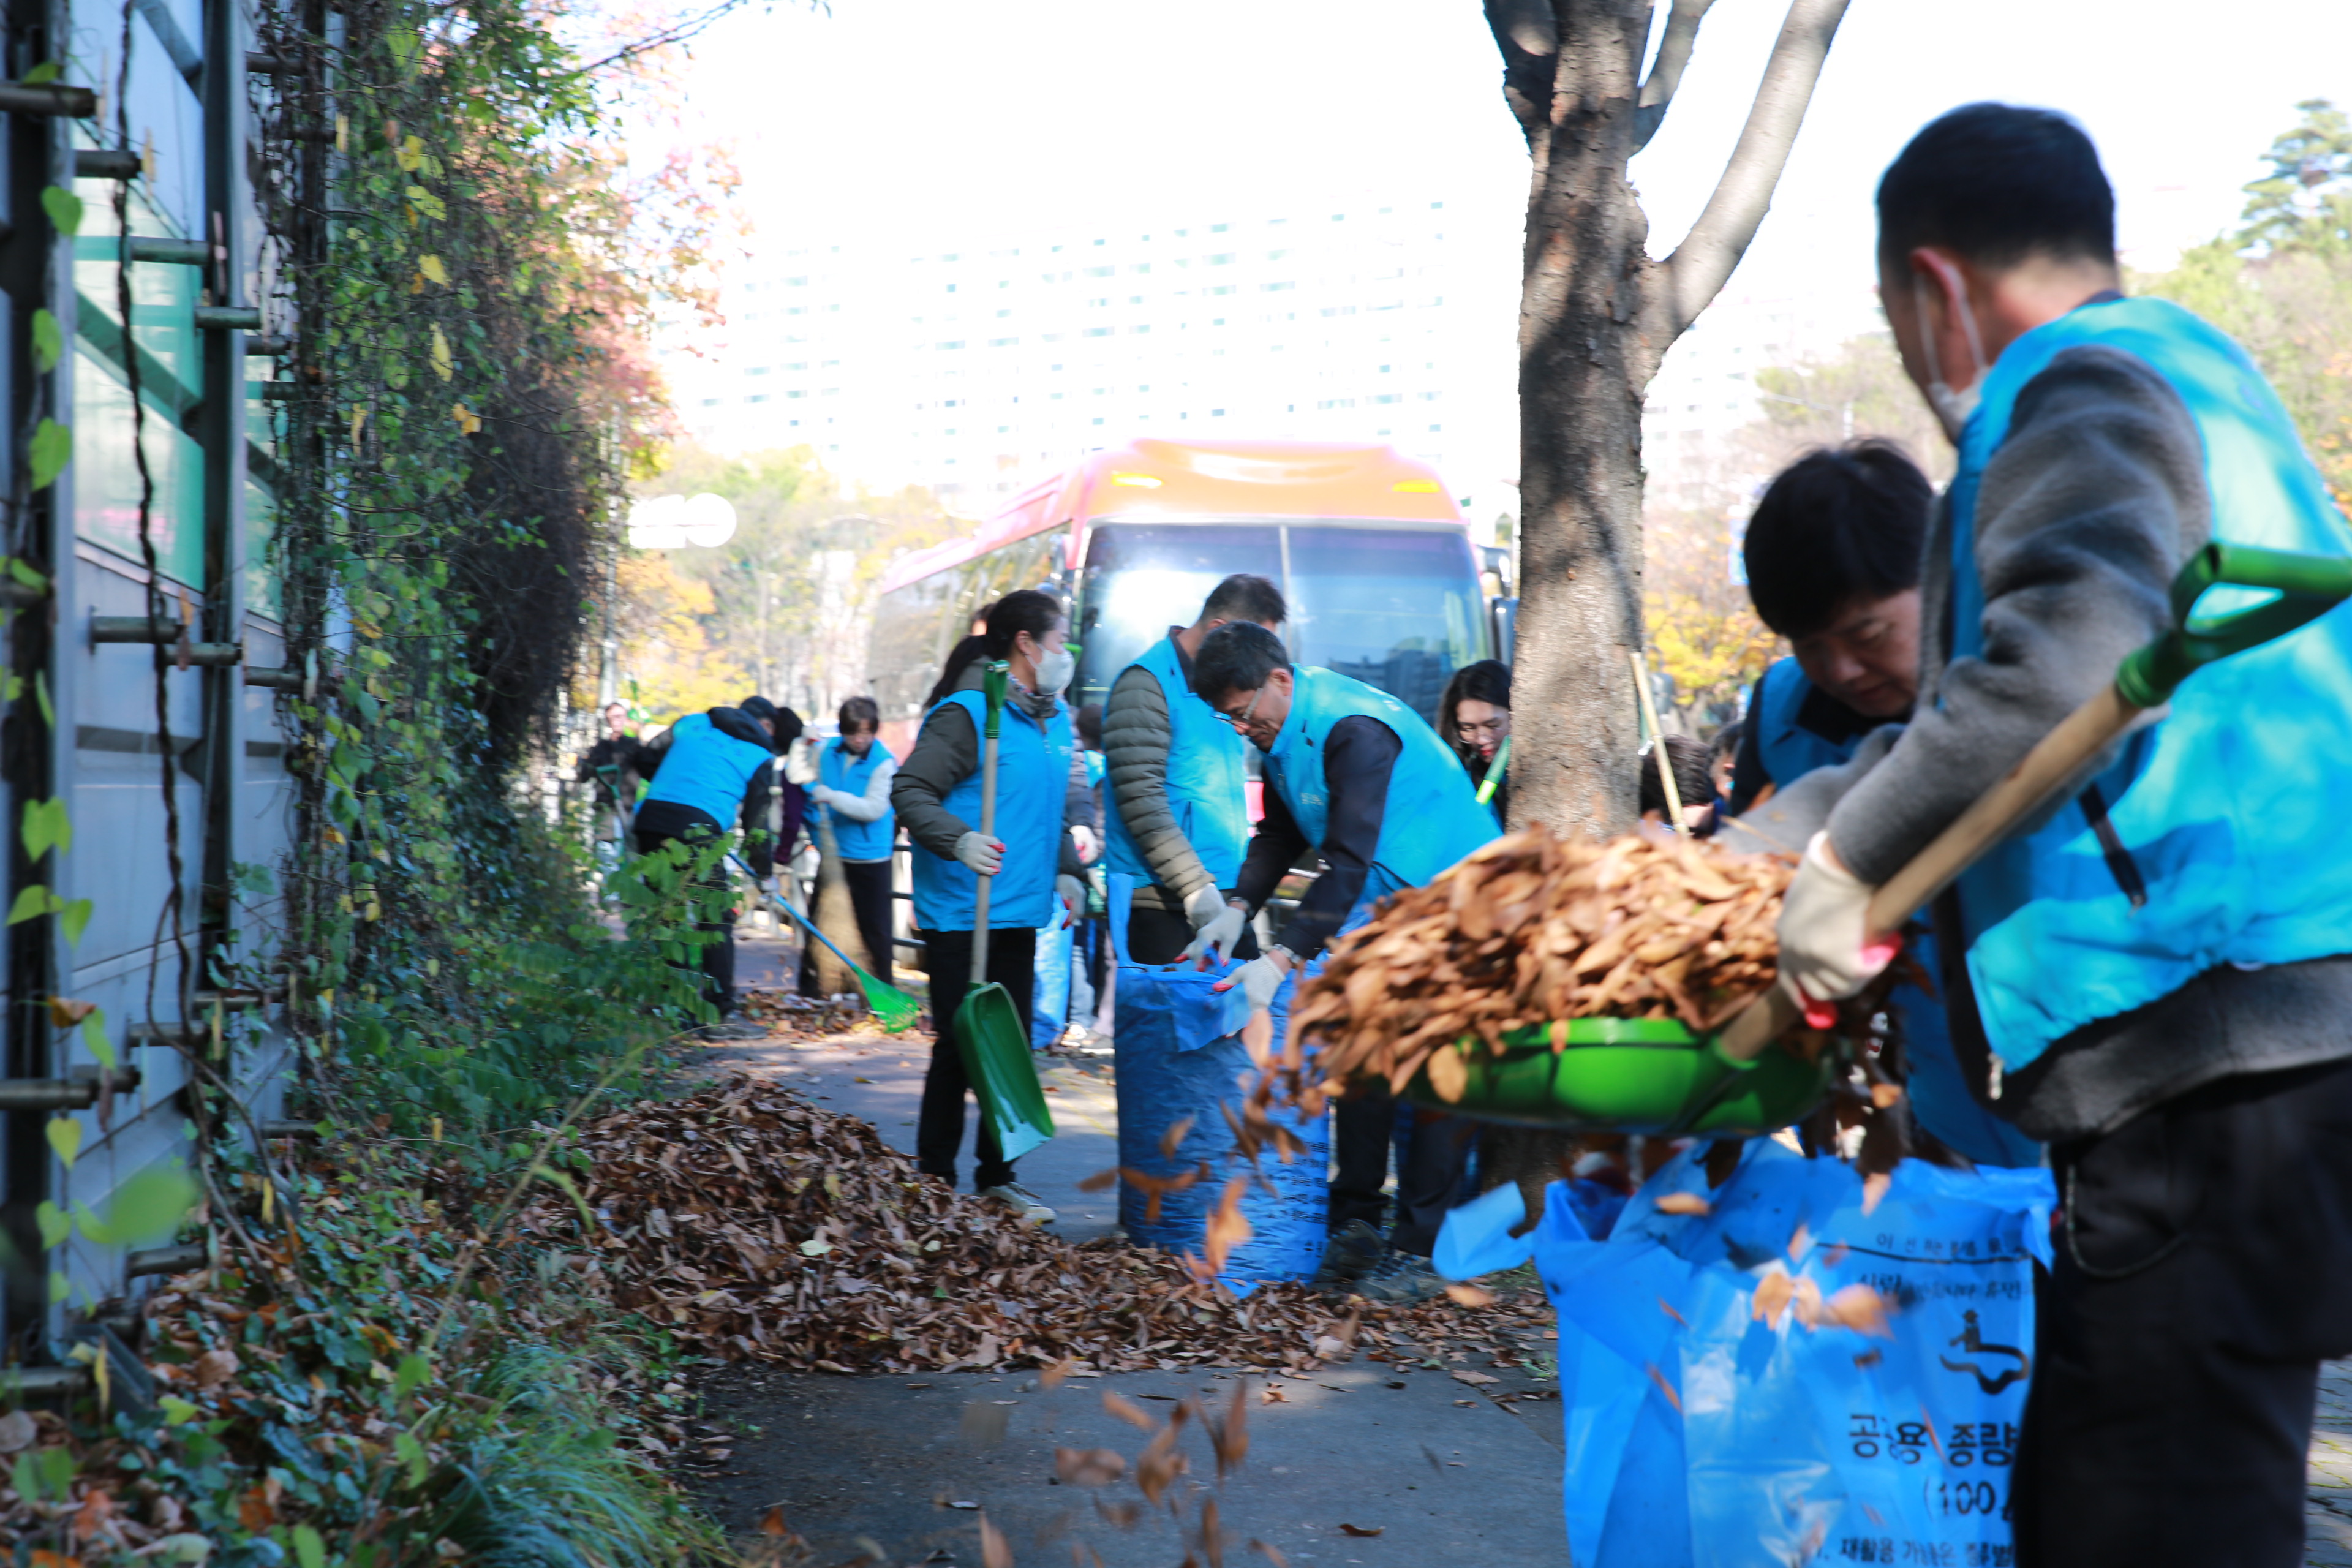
x=2054, y=762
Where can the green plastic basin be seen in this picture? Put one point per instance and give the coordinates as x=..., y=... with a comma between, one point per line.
x=1633, y=1075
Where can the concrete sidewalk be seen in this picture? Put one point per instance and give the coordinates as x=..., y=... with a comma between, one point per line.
x=898, y=1470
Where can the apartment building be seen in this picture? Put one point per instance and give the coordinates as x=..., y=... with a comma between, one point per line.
x=971, y=368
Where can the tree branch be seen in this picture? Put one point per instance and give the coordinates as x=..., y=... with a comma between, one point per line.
x=1528, y=34
x=1697, y=268
x=1667, y=71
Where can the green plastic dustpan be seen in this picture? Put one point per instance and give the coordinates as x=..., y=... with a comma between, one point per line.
x=895, y=1009
x=989, y=1036
x=1631, y=1075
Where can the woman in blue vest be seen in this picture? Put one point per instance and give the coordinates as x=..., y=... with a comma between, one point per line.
x=851, y=792
x=1832, y=556
x=1474, y=718
x=714, y=769
x=937, y=796
x=2159, y=972
x=1356, y=775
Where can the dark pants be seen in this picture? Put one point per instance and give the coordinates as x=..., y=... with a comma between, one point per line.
x=2204, y=1270
x=1428, y=1172
x=718, y=935
x=939, y=1132
x=1158, y=936
x=868, y=884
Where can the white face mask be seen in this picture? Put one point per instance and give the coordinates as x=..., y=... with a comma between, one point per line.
x=1055, y=669
x=1952, y=408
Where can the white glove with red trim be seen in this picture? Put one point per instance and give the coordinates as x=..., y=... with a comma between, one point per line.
x=1826, y=955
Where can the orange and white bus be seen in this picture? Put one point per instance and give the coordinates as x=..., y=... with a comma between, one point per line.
x=1382, y=580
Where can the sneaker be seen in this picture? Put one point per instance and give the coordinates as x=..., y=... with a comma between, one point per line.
x=1399, y=1278
x=1026, y=1205
x=1353, y=1251
x=732, y=1029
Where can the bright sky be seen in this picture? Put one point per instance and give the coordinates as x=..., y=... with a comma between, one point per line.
x=937, y=120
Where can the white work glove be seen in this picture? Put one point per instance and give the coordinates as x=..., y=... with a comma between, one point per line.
x=985, y=856
x=1073, y=899
x=1826, y=955
x=1259, y=979
x=1089, y=845
x=821, y=795
x=800, y=764
x=1216, y=927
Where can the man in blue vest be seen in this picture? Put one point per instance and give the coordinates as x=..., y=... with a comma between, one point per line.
x=1177, y=815
x=1832, y=552
x=1356, y=775
x=2155, y=975
x=716, y=768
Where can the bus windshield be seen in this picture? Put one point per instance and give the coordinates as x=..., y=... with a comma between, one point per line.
x=1396, y=607
x=1142, y=578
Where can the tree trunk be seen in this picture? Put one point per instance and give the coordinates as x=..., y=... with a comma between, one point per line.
x=1596, y=316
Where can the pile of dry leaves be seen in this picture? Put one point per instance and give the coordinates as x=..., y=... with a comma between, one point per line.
x=1535, y=930
x=793, y=1016
x=761, y=1227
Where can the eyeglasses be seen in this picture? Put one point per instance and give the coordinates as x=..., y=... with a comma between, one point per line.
x=1242, y=721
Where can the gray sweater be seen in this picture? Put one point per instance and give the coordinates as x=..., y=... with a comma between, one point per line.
x=2083, y=515
x=1137, y=734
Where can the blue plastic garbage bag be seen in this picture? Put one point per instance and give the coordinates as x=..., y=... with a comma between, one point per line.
x=1178, y=1055
x=1049, y=1003
x=1794, y=1435
x=1476, y=1237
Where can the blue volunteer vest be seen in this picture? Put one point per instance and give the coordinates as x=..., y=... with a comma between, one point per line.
x=1789, y=750
x=2232, y=806
x=707, y=769
x=1940, y=1096
x=1207, y=768
x=1033, y=778
x=1433, y=818
x=836, y=769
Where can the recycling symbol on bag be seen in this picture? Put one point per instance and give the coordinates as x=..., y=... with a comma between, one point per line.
x=1970, y=1340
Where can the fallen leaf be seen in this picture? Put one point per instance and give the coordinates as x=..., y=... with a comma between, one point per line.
x=1663, y=1386
x=1128, y=1410
x=1059, y=1373
x=1230, y=1437
x=1868, y=1359
x=1212, y=1537
x=1773, y=1294
x=1088, y=1467
x=993, y=1550
x=1682, y=1203
x=772, y=1522
x=1873, y=1190
x=1470, y=1295
x=1159, y=1465
x=214, y=1368
x=1173, y=1136
x=1859, y=1308
x=1273, y=1555
x=1476, y=1379
x=16, y=1431
x=1664, y=1306
x=1227, y=1227
x=1886, y=1096
x=1125, y=1515
x=1272, y=1394
x=1361, y=1529
x=1101, y=1181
